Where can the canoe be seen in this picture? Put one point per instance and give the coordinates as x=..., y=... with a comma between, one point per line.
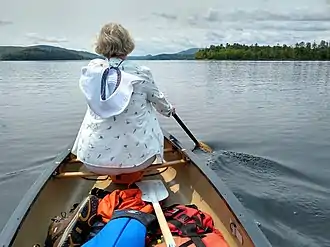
x=188, y=179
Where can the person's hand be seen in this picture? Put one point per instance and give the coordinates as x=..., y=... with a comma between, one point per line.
x=173, y=110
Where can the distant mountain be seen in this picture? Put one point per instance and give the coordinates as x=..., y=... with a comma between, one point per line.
x=190, y=51
x=182, y=55
x=46, y=52
x=42, y=52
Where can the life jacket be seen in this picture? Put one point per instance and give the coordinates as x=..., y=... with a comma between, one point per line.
x=188, y=220
x=193, y=227
x=122, y=199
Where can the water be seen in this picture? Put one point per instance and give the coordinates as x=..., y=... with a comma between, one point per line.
x=267, y=121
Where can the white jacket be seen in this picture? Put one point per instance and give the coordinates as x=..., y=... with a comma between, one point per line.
x=128, y=133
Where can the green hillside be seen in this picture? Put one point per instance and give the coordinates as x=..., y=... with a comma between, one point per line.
x=42, y=52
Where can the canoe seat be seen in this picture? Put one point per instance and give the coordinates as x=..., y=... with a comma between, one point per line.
x=156, y=165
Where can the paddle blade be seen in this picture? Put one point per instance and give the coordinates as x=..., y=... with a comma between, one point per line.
x=205, y=147
x=152, y=190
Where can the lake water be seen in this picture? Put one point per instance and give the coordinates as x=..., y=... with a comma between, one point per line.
x=269, y=123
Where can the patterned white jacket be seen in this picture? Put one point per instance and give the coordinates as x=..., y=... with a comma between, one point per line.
x=130, y=138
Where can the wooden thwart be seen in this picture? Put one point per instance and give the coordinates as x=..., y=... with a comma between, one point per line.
x=91, y=174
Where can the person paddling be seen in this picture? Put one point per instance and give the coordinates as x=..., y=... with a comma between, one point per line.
x=120, y=133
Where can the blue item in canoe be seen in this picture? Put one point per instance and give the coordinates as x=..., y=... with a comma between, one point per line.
x=126, y=226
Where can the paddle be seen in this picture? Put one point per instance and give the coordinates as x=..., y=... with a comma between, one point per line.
x=198, y=144
x=154, y=191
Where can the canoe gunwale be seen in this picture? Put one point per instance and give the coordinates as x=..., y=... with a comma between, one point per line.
x=9, y=231
x=246, y=220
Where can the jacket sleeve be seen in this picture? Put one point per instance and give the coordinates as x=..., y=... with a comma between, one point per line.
x=154, y=95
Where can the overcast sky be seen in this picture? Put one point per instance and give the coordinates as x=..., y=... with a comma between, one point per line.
x=164, y=26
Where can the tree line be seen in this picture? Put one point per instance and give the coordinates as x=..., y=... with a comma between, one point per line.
x=236, y=51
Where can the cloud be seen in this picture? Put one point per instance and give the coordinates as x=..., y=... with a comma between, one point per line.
x=185, y=42
x=239, y=15
x=5, y=22
x=164, y=44
x=297, y=14
x=213, y=15
x=296, y=26
x=232, y=25
x=213, y=36
x=260, y=25
x=164, y=27
x=165, y=16
x=193, y=20
x=37, y=38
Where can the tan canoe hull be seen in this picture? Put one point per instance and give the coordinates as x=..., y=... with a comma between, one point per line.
x=187, y=178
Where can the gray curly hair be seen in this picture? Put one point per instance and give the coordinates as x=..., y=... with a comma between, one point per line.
x=114, y=41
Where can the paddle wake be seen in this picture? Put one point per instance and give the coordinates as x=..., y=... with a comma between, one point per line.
x=282, y=200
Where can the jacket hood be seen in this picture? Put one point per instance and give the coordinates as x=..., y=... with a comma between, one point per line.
x=115, y=101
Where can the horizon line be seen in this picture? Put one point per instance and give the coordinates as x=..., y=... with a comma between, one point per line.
x=150, y=54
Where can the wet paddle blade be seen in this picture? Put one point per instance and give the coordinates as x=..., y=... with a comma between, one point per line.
x=205, y=147
x=152, y=190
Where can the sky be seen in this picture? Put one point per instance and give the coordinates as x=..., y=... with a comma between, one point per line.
x=164, y=26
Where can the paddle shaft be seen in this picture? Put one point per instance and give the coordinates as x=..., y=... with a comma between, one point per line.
x=185, y=128
x=163, y=225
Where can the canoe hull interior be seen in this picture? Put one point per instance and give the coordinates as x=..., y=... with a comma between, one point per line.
x=187, y=184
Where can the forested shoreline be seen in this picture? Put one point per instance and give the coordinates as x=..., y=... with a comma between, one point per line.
x=236, y=51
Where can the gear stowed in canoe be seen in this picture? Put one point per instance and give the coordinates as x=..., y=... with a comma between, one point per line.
x=105, y=211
